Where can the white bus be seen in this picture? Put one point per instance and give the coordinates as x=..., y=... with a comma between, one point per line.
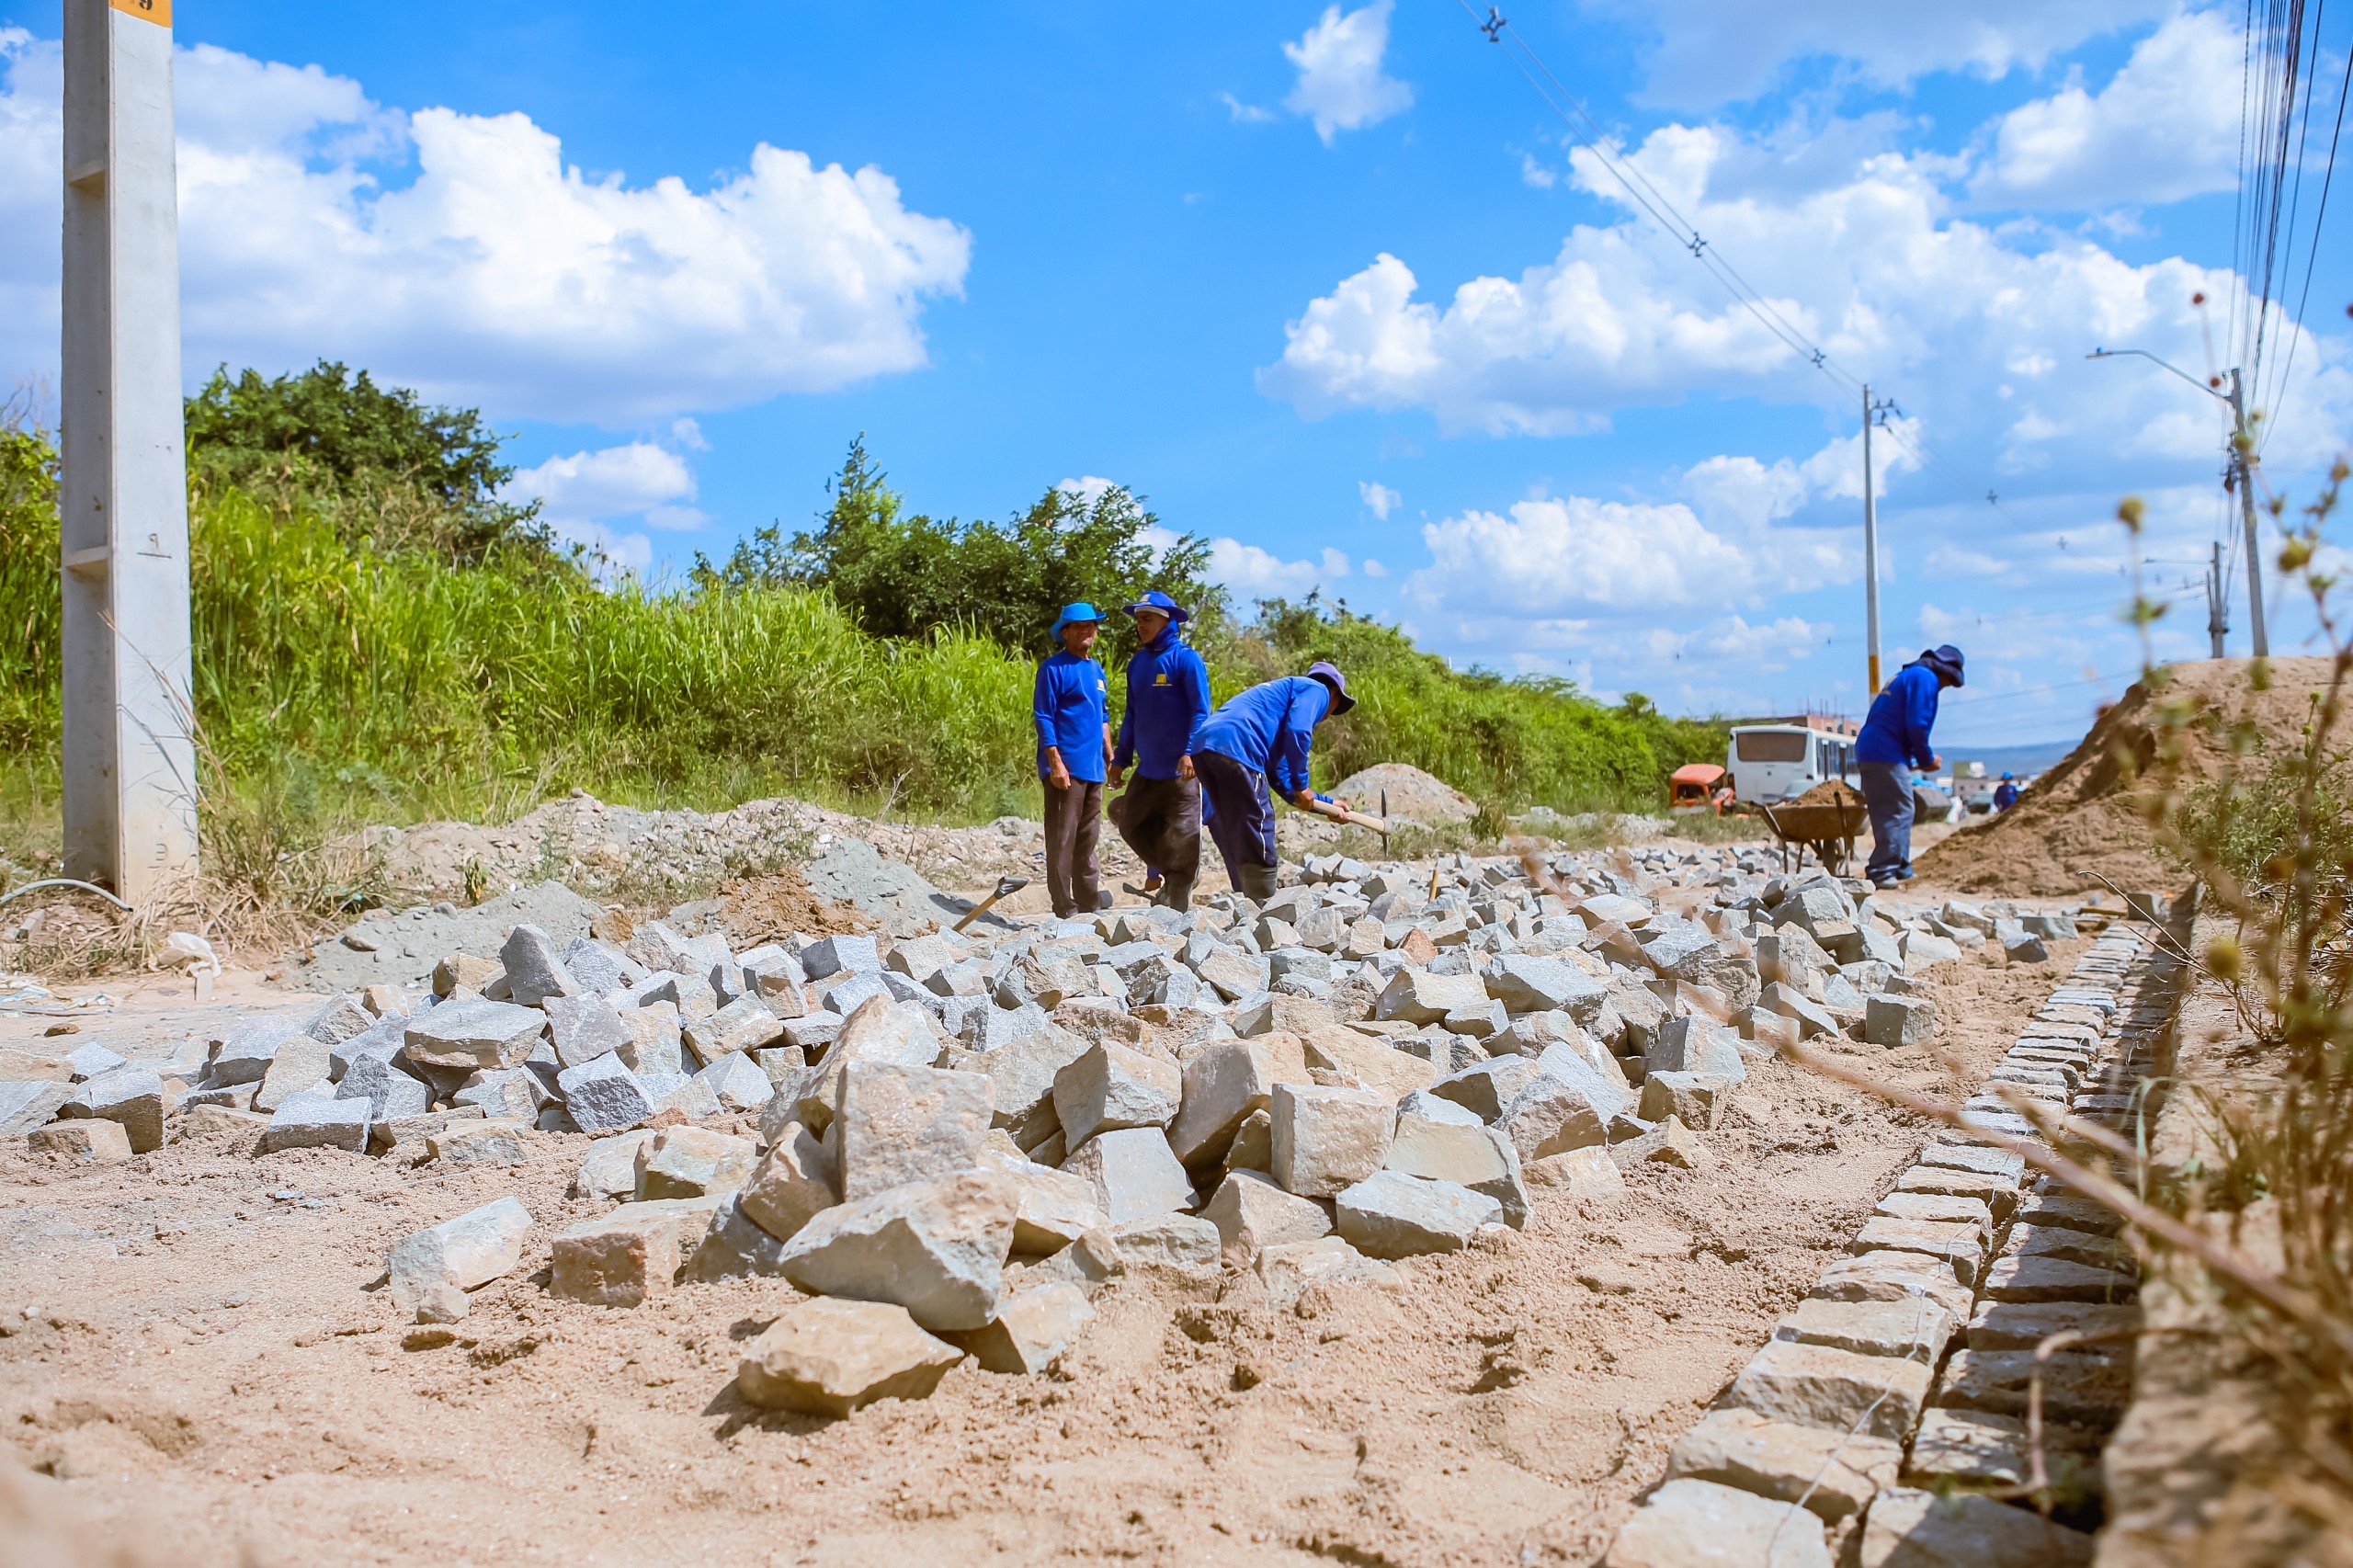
x=1781, y=759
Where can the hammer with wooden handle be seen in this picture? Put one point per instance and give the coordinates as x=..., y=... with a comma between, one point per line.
x=1005, y=887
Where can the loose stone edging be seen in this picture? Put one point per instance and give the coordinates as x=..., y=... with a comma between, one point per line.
x=1852, y=1422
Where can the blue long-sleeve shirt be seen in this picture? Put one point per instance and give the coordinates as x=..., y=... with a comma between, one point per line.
x=1168, y=700
x=1269, y=728
x=1072, y=705
x=1897, y=727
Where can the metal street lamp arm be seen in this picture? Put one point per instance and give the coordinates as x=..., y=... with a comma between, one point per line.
x=2144, y=354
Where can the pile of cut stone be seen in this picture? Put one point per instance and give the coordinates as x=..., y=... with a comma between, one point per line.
x=1890, y=1398
x=1370, y=1065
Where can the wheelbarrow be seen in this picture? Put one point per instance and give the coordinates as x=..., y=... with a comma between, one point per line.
x=1826, y=827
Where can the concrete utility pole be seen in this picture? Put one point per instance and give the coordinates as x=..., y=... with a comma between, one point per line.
x=1871, y=555
x=129, y=762
x=2242, y=444
x=2218, y=611
x=2242, y=471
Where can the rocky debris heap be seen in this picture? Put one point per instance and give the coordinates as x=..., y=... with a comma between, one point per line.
x=1868, y=1426
x=978, y=1132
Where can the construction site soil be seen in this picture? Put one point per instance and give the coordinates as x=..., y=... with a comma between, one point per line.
x=2079, y=827
x=198, y=1360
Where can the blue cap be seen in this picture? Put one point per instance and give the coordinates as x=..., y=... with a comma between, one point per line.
x=1154, y=599
x=2005, y=776
x=1080, y=610
x=1329, y=674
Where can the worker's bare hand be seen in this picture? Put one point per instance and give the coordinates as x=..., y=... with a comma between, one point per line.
x=1340, y=804
x=1116, y=777
x=1058, y=776
x=1184, y=768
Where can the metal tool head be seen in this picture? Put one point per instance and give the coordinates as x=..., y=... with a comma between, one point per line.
x=1007, y=886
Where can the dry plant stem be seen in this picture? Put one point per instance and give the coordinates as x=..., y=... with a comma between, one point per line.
x=2040, y=1484
x=2256, y=1280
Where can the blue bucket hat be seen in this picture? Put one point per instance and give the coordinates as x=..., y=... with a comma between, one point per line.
x=1177, y=614
x=1080, y=610
x=1329, y=674
x=1945, y=659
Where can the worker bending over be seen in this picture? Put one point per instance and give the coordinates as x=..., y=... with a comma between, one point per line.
x=1168, y=700
x=1894, y=742
x=1258, y=738
x=1074, y=742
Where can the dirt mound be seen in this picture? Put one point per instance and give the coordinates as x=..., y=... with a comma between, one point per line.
x=1414, y=795
x=2078, y=823
x=1830, y=792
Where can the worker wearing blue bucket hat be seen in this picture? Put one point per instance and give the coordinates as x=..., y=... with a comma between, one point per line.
x=1258, y=739
x=1169, y=698
x=1074, y=743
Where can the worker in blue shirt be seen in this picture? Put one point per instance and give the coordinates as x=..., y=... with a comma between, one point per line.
x=2006, y=794
x=1169, y=698
x=1260, y=738
x=1074, y=741
x=1895, y=741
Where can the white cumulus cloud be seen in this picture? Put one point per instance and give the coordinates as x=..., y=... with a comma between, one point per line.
x=460, y=255
x=2163, y=128
x=1713, y=52
x=1378, y=498
x=1341, y=86
x=1249, y=573
x=593, y=497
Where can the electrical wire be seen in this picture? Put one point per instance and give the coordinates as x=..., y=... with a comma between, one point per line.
x=1589, y=132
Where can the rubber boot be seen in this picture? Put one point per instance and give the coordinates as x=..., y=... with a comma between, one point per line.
x=1257, y=883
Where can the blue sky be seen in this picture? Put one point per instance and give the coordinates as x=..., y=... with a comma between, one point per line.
x=1328, y=286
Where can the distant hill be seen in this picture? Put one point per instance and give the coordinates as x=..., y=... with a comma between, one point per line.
x=2021, y=760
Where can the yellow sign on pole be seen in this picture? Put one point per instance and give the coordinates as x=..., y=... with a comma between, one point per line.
x=156, y=11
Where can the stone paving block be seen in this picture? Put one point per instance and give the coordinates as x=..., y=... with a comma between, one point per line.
x=317, y=1122
x=792, y=1185
x=609, y=1169
x=27, y=1104
x=1896, y=1021
x=1056, y=1208
x=2091, y=1249
x=85, y=1142
x=603, y=1095
x=691, y=1162
x=1891, y=1276
x=1110, y=1087
x=936, y=1248
x=1380, y=1067
x=1179, y=1249
x=1289, y=1269
x=1418, y=996
x=1833, y=1472
x=1698, y=1524
x=831, y=1357
x=1581, y=1173
x=1699, y=1098
x=1959, y=1244
x=1252, y=1213
x=1031, y=1330
x=617, y=1260
x=301, y=1064
x=1326, y=1140
x=1938, y=1208
x=1390, y=1215
x=2022, y=1326
x=391, y=1092
x=535, y=970
x=1134, y=1174
x=249, y=1048
x=474, y=1034
x=1814, y=1385
x=1999, y=1194
x=132, y=1096
x=1223, y=1083
x=1461, y=1152
x=1916, y=1329
x=2028, y=1279
x=484, y=1142
x=1908, y=1528
x=432, y=1270
x=2084, y=1387
x=1695, y=1045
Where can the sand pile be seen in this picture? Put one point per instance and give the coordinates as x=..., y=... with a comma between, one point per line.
x=1414, y=795
x=2078, y=823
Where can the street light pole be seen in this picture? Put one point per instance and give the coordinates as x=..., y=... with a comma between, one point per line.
x=2218, y=610
x=2241, y=457
x=1871, y=553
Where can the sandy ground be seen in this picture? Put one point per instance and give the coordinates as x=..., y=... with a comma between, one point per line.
x=196, y=1360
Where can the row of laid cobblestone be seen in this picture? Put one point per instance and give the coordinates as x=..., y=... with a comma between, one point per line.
x=1889, y=1405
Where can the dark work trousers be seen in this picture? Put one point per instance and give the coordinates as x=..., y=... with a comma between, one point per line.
x=1074, y=821
x=1160, y=820
x=1887, y=795
x=1242, y=821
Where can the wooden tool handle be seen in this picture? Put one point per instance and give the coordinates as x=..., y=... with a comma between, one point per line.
x=1358, y=819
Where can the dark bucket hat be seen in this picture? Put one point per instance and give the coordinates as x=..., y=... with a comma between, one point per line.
x=1329, y=674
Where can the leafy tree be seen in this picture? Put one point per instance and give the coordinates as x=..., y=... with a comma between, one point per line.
x=411, y=472
x=901, y=576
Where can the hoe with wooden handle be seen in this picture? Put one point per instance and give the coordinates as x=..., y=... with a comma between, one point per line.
x=1005, y=887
